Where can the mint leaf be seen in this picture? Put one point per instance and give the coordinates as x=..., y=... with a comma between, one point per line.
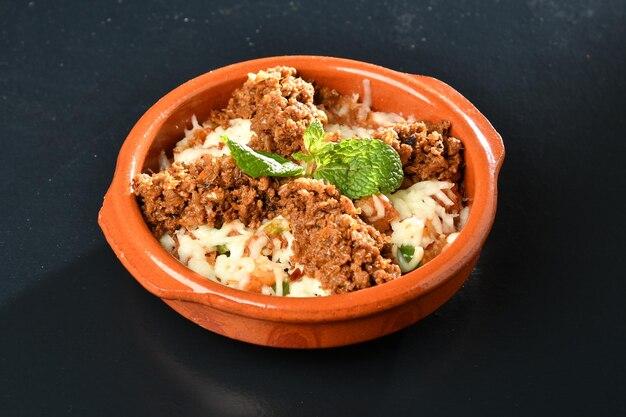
x=274, y=156
x=301, y=156
x=360, y=167
x=357, y=167
x=259, y=163
x=313, y=137
x=314, y=143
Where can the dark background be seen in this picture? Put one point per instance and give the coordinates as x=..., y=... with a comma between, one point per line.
x=539, y=328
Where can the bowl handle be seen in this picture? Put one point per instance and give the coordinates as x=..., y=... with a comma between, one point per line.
x=454, y=98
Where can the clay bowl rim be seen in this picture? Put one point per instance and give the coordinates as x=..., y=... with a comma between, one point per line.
x=142, y=255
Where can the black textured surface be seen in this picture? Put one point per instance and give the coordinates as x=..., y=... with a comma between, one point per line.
x=540, y=327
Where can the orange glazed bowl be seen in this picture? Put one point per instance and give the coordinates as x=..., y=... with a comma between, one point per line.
x=304, y=322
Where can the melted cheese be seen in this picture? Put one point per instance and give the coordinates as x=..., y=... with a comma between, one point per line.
x=234, y=272
x=423, y=218
x=367, y=92
x=238, y=130
x=418, y=201
x=189, y=155
x=307, y=287
x=408, y=232
x=167, y=242
x=385, y=119
x=348, y=132
x=252, y=253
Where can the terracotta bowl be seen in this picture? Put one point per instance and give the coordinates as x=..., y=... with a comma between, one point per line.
x=303, y=322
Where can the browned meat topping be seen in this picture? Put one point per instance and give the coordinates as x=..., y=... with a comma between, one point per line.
x=210, y=192
x=426, y=153
x=332, y=243
x=280, y=106
x=345, y=110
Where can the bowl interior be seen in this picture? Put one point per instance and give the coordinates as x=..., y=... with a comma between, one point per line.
x=163, y=125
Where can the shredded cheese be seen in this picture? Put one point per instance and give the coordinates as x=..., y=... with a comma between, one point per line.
x=250, y=254
x=238, y=130
x=423, y=219
x=307, y=287
x=348, y=132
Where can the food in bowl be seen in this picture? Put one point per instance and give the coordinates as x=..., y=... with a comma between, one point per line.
x=310, y=322
x=295, y=190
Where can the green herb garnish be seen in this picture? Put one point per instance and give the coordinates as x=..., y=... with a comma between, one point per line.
x=357, y=167
x=406, y=253
x=285, y=287
x=360, y=167
x=259, y=163
x=405, y=258
x=222, y=250
x=275, y=227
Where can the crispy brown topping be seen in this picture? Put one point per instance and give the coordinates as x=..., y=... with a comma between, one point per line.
x=280, y=106
x=210, y=191
x=426, y=152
